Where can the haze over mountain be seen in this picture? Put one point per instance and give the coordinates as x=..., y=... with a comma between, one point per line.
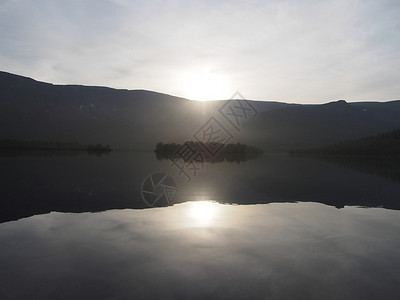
x=306, y=126
x=138, y=119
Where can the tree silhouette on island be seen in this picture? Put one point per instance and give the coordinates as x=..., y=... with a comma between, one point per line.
x=228, y=152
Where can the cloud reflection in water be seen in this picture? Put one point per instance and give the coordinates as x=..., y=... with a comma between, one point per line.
x=204, y=250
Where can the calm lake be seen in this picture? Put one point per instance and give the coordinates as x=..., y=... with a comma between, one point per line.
x=79, y=226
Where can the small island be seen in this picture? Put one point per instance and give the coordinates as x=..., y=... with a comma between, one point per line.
x=227, y=152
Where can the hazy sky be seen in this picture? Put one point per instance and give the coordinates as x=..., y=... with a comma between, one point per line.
x=296, y=51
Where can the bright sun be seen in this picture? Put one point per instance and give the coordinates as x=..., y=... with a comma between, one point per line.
x=204, y=86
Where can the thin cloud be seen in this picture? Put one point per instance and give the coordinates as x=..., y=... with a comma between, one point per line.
x=297, y=51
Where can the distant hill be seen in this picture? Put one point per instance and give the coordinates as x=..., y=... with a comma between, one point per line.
x=138, y=119
x=32, y=110
x=308, y=126
x=8, y=145
x=385, y=144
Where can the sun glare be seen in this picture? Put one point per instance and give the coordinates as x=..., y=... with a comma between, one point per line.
x=203, y=213
x=204, y=86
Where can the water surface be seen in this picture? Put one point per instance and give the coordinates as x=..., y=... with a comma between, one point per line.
x=269, y=251
x=280, y=227
x=37, y=184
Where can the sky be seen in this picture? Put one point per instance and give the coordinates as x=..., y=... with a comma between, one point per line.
x=290, y=50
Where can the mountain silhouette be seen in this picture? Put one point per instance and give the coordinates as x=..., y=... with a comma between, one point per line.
x=307, y=126
x=138, y=119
